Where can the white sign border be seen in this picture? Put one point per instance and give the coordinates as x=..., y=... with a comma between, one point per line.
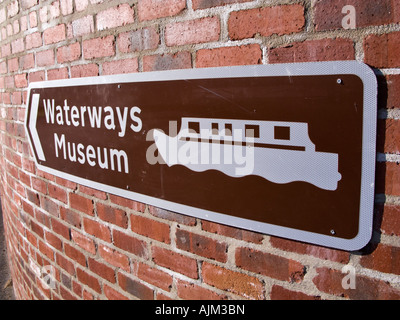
x=359, y=69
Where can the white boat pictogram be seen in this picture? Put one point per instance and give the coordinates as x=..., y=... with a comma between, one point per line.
x=280, y=152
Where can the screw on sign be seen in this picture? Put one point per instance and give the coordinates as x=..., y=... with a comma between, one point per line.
x=286, y=150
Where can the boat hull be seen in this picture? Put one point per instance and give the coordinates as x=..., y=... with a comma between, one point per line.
x=279, y=166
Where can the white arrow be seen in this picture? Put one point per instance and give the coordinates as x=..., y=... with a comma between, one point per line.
x=32, y=126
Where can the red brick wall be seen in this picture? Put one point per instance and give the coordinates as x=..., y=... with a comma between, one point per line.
x=101, y=246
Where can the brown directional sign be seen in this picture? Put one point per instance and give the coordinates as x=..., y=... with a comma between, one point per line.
x=287, y=150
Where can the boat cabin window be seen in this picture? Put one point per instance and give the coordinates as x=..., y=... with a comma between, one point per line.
x=214, y=128
x=194, y=127
x=252, y=131
x=228, y=129
x=282, y=133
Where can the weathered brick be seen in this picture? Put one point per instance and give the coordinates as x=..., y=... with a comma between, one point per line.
x=65, y=183
x=387, y=178
x=93, y=192
x=279, y=20
x=67, y=7
x=16, y=99
x=39, y=185
x=24, y=23
x=3, y=16
x=271, y=265
x=33, y=40
x=128, y=243
x=80, y=203
x=43, y=14
x=33, y=19
x=82, y=26
x=201, y=245
x=3, y=67
x=120, y=66
x=26, y=4
x=83, y=241
x=389, y=219
x=9, y=82
x=138, y=40
x=86, y=295
x=114, y=257
x=154, y=9
x=102, y=270
x=17, y=46
x=53, y=240
x=9, y=29
x=81, y=5
x=36, y=76
x=88, y=279
x=46, y=250
x=153, y=276
x=32, y=238
x=97, y=229
x=381, y=50
x=232, y=232
x=392, y=87
x=55, y=74
x=229, y=56
x=12, y=65
x=5, y=50
x=180, y=60
x=384, y=258
x=314, y=50
x=124, y=202
x=112, y=215
x=54, y=34
x=175, y=261
x=21, y=80
x=75, y=254
x=12, y=9
x=190, y=291
x=388, y=136
x=115, y=17
x=69, y=53
x=203, y=4
x=330, y=281
x=71, y=217
x=99, y=47
x=135, y=288
x=150, y=228
x=65, y=264
x=27, y=61
x=280, y=293
x=172, y=216
x=45, y=58
x=87, y=70
x=49, y=205
x=192, y=31
x=112, y=294
x=232, y=281
x=60, y=228
x=16, y=26
x=66, y=295
x=54, y=10
x=328, y=14
x=36, y=228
